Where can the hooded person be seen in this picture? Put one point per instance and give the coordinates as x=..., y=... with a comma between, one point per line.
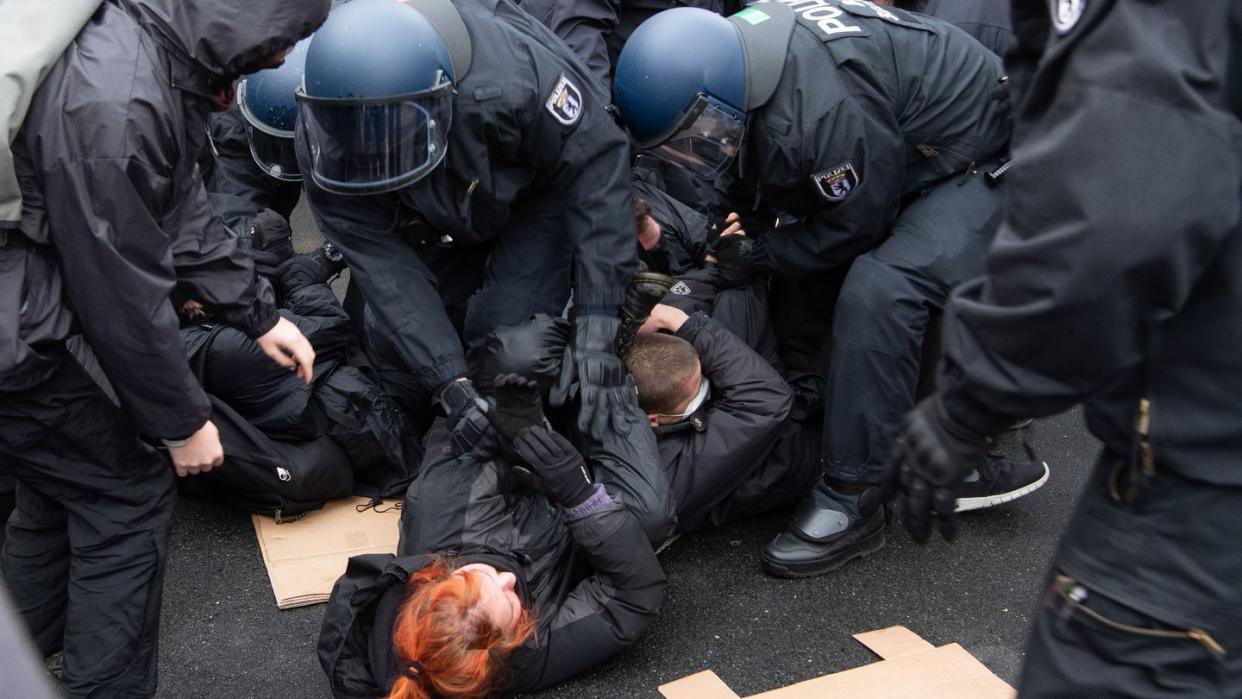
x=114, y=219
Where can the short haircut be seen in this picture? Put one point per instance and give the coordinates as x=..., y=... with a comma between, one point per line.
x=661, y=364
x=641, y=211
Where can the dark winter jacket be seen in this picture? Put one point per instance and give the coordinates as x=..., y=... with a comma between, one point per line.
x=742, y=444
x=1114, y=278
x=873, y=106
x=590, y=577
x=115, y=213
x=509, y=157
x=597, y=29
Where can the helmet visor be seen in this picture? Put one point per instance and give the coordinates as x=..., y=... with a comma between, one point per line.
x=708, y=142
x=274, y=154
x=373, y=146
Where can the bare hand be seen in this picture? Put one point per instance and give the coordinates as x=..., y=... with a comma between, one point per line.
x=664, y=318
x=201, y=453
x=286, y=346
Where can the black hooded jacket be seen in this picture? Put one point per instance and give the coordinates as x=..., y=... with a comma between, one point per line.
x=590, y=577
x=116, y=218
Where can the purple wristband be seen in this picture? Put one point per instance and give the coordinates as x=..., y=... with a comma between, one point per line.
x=591, y=504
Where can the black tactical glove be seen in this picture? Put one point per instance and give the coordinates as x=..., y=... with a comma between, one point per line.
x=934, y=454
x=518, y=406
x=467, y=416
x=561, y=470
x=736, y=261
x=644, y=291
x=592, y=361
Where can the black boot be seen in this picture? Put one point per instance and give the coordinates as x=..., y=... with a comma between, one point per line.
x=828, y=530
x=645, y=290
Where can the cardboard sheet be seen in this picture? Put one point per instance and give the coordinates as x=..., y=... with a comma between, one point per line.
x=911, y=669
x=305, y=557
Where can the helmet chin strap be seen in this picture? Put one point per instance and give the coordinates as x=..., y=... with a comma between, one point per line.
x=765, y=29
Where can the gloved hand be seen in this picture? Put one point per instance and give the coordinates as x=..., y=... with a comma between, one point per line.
x=467, y=416
x=736, y=260
x=934, y=454
x=518, y=406
x=561, y=469
x=592, y=361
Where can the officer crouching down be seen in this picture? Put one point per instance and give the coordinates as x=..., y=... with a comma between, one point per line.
x=873, y=130
x=462, y=161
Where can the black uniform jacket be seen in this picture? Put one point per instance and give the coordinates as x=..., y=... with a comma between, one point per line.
x=874, y=106
x=1116, y=277
x=510, y=160
x=593, y=583
x=115, y=212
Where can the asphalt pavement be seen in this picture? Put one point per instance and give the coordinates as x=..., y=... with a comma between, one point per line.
x=222, y=636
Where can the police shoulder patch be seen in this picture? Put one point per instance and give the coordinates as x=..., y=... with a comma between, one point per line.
x=680, y=288
x=565, y=102
x=837, y=182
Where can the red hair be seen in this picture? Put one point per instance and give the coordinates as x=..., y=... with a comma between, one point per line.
x=446, y=642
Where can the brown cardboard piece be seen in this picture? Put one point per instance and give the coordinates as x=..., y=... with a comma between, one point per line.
x=911, y=668
x=305, y=557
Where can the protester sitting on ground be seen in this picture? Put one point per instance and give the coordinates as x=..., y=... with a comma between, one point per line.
x=735, y=438
x=345, y=402
x=516, y=568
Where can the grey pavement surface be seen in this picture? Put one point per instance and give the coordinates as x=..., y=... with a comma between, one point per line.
x=222, y=635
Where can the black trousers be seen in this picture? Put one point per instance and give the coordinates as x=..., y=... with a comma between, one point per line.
x=86, y=546
x=1145, y=597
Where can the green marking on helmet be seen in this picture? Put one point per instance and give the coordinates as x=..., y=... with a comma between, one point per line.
x=753, y=16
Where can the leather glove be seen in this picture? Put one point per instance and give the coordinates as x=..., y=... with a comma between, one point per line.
x=561, y=469
x=467, y=416
x=591, y=360
x=736, y=261
x=518, y=406
x=935, y=453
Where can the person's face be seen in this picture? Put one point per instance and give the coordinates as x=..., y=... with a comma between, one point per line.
x=689, y=389
x=649, y=234
x=498, y=595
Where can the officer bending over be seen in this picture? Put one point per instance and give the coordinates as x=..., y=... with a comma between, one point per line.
x=809, y=103
x=461, y=158
x=114, y=219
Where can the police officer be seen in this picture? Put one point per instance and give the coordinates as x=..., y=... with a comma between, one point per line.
x=876, y=131
x=114, y=219
x=459, y=156
x=1114, y=237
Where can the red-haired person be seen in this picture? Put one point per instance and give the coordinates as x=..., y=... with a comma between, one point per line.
x=516, y=569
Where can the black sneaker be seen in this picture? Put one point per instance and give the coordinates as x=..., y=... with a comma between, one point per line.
x=999, y=481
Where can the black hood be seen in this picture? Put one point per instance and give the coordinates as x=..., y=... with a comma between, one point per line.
x=222, y=37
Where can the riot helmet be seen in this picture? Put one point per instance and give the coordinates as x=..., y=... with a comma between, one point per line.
x=687, y=78
x=376, y=100
x=265, y=100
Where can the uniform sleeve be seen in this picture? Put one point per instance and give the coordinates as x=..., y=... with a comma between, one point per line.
x=118, y=268
x=1125, y=186
x=851, y=137
x=583, y=25
x=213, y=270
x=607, y=611
x=750, y=402
x=398, y=288
x=588, y=162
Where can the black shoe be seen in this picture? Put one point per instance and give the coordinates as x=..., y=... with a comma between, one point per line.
x=645, y=290
x=999, y=481
x=828, y=530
